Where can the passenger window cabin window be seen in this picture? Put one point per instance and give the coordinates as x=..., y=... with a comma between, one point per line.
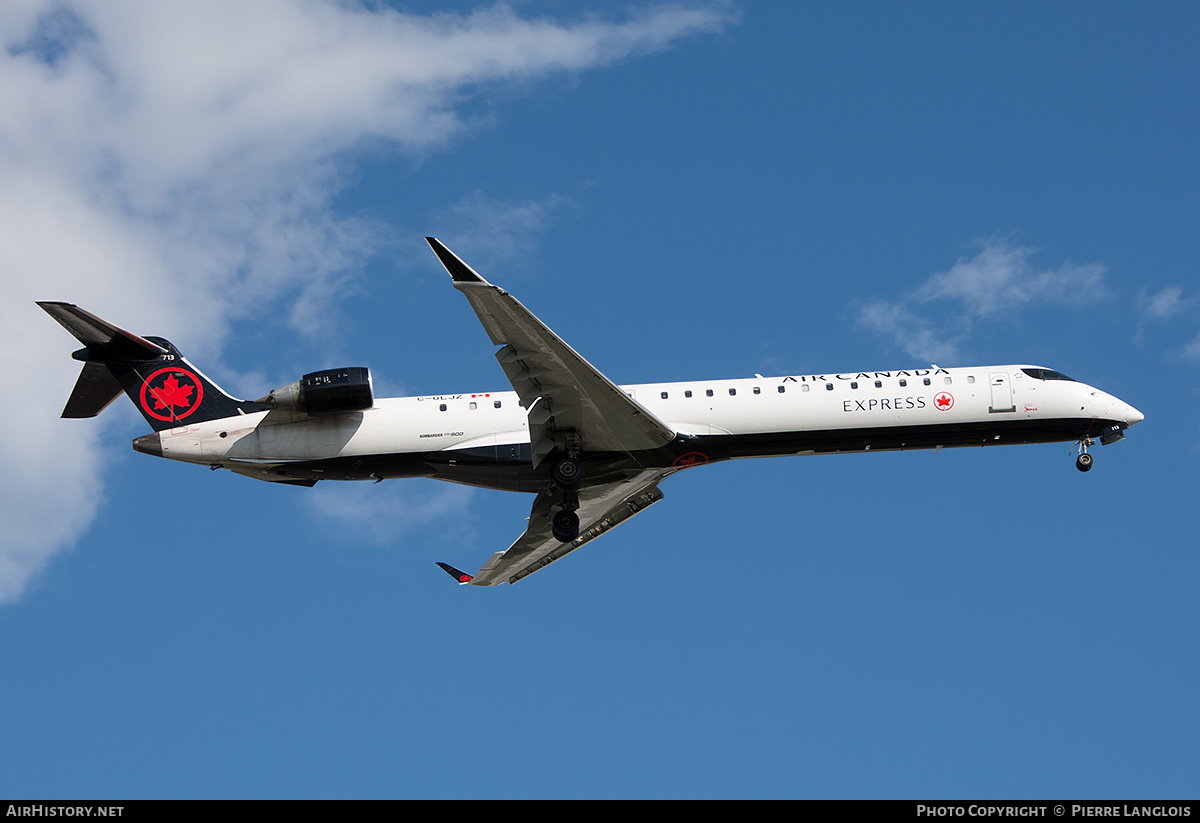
x=947, y=380
x=903, y=382
x=442, y=407
x=782, y=389
x=757, y=390
x=473, y=406
x=803, y=387
x=664, y=395
x=496, y=404
x=879, y=384
x=687, y=393
x=926, y=381
x=970, y=378
x=854, y=384
x=708, y=392
x=828, y=387
x=732, y=392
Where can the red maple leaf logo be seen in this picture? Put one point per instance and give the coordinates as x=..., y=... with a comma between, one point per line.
x=172, y=393
x=944, y=401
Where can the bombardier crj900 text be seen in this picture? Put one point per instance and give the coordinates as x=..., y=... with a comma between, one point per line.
x=593, y=452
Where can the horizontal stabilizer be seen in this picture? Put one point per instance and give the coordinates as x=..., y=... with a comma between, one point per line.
x=105, y=342
x=94, y=390
x=165, y=387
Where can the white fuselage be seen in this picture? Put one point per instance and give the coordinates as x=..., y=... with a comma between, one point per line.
x=716, y=419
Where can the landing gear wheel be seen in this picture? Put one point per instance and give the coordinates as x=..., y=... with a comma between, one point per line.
x=1084, y=462
x=565, y=526
x=567, y=474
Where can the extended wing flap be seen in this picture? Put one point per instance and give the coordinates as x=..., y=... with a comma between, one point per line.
x=271, y=473
x=601, y=508
x=569, y=394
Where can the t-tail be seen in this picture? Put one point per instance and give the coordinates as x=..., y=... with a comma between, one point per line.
x=167, y=389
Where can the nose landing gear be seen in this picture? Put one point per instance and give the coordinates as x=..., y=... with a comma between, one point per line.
x=1084, y=461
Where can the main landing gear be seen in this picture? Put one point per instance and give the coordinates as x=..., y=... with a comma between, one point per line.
x=1084, y=461
x=565, y=526
x=567, y=475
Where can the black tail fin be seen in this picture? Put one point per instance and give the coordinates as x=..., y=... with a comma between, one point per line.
x=167, y=389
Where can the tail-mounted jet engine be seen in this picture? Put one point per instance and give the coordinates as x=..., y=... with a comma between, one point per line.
x=333, y=391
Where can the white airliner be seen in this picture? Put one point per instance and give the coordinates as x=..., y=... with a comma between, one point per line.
x=593, y=452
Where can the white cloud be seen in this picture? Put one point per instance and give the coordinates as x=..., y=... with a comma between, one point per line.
x=1166, y=303
x=382, y=512
x=1191, y=351
x=177, y=161
x=1000, y=278
x=997, y=281
x=499, y=230
x=910, y=332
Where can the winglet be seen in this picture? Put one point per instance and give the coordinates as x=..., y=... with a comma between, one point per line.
x=460, y=272
x=462, y=577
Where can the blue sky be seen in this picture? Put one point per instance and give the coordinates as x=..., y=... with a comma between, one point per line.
x=682, y=192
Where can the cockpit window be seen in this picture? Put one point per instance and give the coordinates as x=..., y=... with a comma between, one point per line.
x=1047, y=374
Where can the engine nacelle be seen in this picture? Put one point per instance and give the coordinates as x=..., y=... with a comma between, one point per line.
x=334, y=391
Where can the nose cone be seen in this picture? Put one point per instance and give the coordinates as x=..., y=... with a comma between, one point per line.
x=1132, y=415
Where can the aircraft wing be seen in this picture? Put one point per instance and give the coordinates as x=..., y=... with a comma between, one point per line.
x=600, y=509
x=564, y=395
